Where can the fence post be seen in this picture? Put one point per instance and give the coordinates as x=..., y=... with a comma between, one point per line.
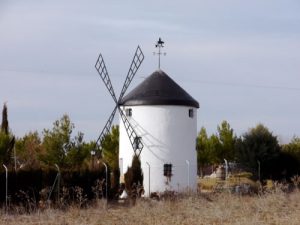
x=58, y=181
x=6, y=186
x=106, y=176
x=149, y=178
x=188, y=167
x=226, y=169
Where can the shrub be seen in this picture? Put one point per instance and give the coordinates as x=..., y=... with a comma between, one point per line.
x=134, y=176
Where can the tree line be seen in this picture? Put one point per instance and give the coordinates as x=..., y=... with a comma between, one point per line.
x=57, y=146
x=257, y=150
x=33, y=160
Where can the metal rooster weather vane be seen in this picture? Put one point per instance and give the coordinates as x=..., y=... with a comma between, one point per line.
x=159, y=45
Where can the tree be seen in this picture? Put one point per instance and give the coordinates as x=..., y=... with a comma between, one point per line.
x=57, y=142
x=290, y=158
x=206, y=149
x=258, y=146
x=110, y=152
x=134, y=176
x=217, y=147
x=7, y=140
x=293, y=148
x=4, y=124
x=214, y=147
x=62, y=149
x=78, y=153
x=203, y=155
x=28, y=150
x=6, y=146
x=227, y=142
x=110, y=148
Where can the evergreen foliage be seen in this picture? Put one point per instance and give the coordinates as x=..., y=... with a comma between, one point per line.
x=29, y=149
x=7, y=140
x=110, y=148
x=71, y=153
x=227, y=142
x=134, y=175
x=214, y=149
x=204, y=153
x=78, y=153
x=5, y=149
x=4, y=124
x=293, y=148
x=57, y=142
x=258, y=146
x=110, y=152
x=63, y=150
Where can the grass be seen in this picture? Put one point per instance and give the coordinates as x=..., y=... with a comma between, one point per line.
x=211, y=184
x=272, y=207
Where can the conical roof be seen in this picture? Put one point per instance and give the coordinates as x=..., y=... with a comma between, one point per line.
x=158, y=89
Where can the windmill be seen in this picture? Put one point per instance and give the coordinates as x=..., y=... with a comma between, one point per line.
x=135, y=140
x=165, y=117
x=160, y=118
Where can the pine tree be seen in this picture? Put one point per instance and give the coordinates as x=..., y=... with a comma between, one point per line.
x=4, y=124
x=134, y=177
x=7, y=141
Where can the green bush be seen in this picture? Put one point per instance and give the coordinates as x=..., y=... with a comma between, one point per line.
x=134, y=176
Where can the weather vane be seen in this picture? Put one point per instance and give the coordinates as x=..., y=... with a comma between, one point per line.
x=159, y=45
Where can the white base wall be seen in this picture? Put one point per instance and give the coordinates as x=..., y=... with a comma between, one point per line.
x=169, y=136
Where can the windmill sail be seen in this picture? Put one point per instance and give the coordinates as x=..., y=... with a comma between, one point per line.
x=135, y=140
x=101, y=68
x=135, y=65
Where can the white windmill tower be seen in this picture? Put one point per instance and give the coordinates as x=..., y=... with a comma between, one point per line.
x=158, y=122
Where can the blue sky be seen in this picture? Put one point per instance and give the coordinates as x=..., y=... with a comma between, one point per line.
x=239, y=59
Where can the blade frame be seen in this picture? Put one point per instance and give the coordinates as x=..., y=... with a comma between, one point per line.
x=137, y=60
x=135, y=140
x=100, y=66
x=106, y=129
x=102, y=71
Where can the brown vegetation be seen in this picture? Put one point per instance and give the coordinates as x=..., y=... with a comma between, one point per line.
x=273, y=207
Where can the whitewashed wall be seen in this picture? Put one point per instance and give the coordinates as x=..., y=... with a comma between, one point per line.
x=169, y=136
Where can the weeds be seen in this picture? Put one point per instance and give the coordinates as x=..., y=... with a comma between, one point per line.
x=26, y=203
x=296, y=181
x=275, y=204
x=98, y=188
x=274, y=207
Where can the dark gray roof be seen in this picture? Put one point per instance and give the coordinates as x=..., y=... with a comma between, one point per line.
x=158, y=89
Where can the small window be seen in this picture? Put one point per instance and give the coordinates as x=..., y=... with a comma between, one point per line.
x=191, y=113
x=137, y=143
x=128, y=112
x=168, y=170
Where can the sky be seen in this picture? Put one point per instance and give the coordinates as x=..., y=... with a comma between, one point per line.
x=239, y=59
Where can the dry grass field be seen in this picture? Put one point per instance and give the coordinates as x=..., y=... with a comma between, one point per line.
x=273, y=207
